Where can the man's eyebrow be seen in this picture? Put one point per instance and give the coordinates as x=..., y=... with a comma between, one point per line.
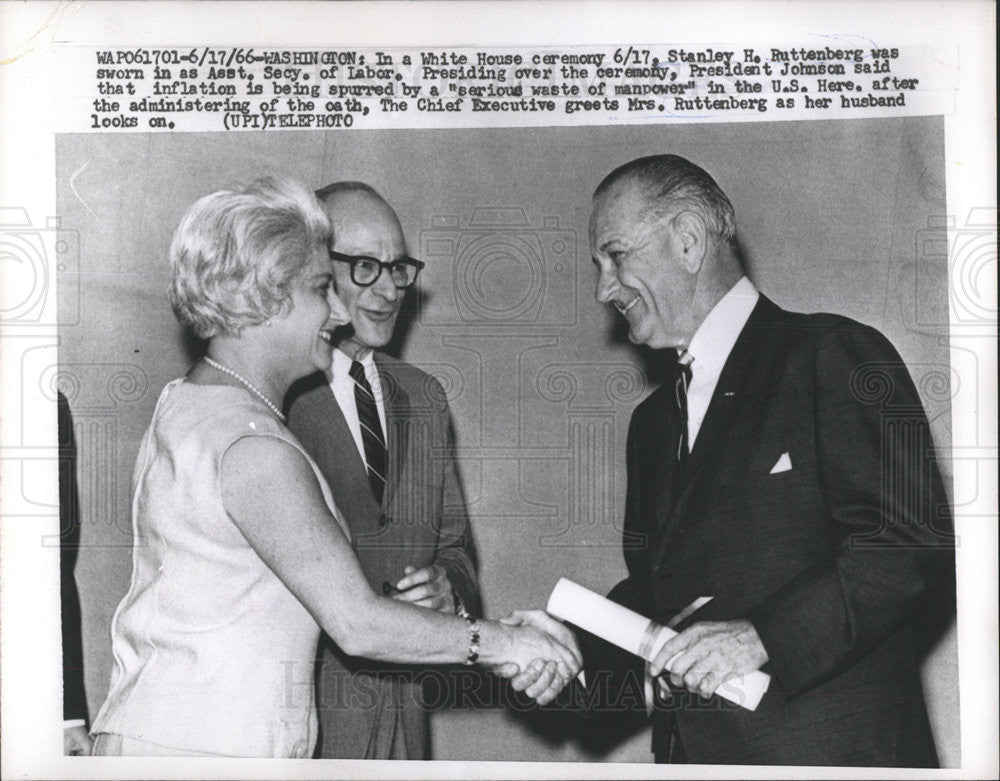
x=603, y=247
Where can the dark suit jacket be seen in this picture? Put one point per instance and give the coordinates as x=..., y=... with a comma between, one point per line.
x=368, y=710
x=830, y=560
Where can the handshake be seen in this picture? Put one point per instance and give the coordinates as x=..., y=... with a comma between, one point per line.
x=542, y=656
x=535, y=651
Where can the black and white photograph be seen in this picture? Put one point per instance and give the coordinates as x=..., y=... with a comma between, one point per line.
x=586, y=447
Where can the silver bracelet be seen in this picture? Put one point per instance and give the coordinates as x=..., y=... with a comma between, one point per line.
x=473, y=640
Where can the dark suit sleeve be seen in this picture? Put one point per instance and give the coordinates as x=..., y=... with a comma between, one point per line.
x=615, y=678
x=887, y=508
x=456, y=551
x=74, y=697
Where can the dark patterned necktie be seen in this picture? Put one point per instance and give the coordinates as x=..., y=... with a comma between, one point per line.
x=371, y=430
x=681, y=385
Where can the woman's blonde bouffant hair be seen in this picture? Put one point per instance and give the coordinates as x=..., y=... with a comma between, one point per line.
x=236, y=253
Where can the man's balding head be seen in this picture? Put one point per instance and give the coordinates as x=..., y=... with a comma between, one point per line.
x=364, y=224
x=670, y=183
x=349, y=204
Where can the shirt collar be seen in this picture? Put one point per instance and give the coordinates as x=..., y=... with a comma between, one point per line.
x=342, y=363
x=715, y=337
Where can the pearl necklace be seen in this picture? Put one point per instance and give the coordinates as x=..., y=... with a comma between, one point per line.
x=248, y=385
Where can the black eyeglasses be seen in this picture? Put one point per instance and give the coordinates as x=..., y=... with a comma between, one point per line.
x=365, y=271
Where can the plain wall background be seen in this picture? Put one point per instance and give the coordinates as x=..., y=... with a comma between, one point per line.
x=834, y=216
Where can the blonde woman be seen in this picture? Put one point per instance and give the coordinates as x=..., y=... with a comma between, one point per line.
x=238, y=540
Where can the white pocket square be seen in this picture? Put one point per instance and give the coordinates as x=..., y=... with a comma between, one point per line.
x=784, y=464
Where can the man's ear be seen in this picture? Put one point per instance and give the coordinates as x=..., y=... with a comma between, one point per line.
x=691, y=237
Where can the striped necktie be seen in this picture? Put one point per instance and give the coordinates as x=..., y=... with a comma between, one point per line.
x=371, y=430
x=681, y=385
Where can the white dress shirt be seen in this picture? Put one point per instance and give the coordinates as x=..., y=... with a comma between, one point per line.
x=710, y=348
x=342, y=385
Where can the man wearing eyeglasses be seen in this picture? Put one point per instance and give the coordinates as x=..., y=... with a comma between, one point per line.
x=380, y=431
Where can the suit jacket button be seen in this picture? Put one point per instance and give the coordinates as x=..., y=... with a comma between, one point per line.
x=386, y=587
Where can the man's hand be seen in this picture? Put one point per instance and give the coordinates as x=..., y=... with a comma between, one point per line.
x=427, y=587
x=705, y=654
x=541, y=680
x=76, y=742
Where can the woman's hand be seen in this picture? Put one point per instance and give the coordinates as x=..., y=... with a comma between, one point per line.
x=545, y=655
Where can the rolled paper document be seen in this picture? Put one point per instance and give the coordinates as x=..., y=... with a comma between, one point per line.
x=639, y=635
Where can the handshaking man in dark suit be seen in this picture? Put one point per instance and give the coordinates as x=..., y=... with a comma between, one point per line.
x=784, y=470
